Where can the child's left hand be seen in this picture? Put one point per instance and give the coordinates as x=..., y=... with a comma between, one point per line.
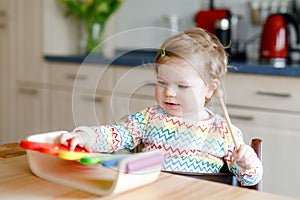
x=246, y=157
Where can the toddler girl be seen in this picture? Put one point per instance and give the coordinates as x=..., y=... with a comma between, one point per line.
x=189, y=66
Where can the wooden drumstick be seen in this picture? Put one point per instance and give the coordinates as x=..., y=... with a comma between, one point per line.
x=219, y=95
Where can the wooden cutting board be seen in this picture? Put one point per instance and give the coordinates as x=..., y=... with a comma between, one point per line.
x=11, y=150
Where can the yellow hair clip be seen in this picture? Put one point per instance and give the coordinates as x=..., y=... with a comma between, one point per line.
x=163, y=53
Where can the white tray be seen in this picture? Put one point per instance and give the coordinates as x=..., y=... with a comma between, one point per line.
x=95, y=179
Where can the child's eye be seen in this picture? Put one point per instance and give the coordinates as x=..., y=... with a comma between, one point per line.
x=162, y=83
x=183, y=86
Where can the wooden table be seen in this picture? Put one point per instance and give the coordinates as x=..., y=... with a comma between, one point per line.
x=18, y=182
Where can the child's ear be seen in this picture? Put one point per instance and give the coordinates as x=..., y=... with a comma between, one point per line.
x=214, y=84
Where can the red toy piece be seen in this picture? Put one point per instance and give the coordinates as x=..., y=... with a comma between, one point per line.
x=47, y=148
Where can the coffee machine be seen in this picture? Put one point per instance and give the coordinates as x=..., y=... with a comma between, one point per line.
x=276, y=44
x=216, y=21
x=225, y=25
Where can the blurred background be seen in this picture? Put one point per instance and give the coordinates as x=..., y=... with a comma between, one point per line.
x=246, y=20
x=48, y=83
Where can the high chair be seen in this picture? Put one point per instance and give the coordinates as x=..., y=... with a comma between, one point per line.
x=225, y=176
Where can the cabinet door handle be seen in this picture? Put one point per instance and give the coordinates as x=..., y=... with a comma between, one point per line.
x=28, y=91
x=241, y=117
x=274, y=94
x=74, y=76
x=96, y=99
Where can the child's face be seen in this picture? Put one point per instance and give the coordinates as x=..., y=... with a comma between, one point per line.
x=180, y=90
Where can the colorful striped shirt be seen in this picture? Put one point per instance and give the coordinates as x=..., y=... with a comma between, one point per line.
x=188, y=146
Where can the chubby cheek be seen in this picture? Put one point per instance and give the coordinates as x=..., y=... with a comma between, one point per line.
x=158, y=95
x=192, y=100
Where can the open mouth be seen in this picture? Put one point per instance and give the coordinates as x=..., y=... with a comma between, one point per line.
x=171, y=104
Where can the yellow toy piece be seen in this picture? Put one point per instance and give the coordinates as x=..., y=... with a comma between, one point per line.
x=71, y=155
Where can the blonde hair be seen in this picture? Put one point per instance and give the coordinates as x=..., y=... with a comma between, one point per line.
x=198, y=47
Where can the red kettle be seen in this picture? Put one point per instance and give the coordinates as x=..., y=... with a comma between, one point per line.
x=275, y=45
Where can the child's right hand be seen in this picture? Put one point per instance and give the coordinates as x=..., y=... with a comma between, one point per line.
x=73, y=139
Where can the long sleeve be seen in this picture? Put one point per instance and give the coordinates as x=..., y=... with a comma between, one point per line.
x=247, y=177
x=189, y=146
x=110, y=138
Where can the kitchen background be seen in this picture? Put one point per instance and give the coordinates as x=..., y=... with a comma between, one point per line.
x=142, y=13
x=38, y=69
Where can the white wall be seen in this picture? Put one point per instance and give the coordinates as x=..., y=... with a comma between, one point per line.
x=145, y=13
x=60, y=33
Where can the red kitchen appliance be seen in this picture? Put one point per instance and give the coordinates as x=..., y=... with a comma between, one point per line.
x=276, y=43
x=207, y=18
x=216, y=21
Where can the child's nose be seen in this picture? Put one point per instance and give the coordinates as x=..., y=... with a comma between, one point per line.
x=169, y=92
